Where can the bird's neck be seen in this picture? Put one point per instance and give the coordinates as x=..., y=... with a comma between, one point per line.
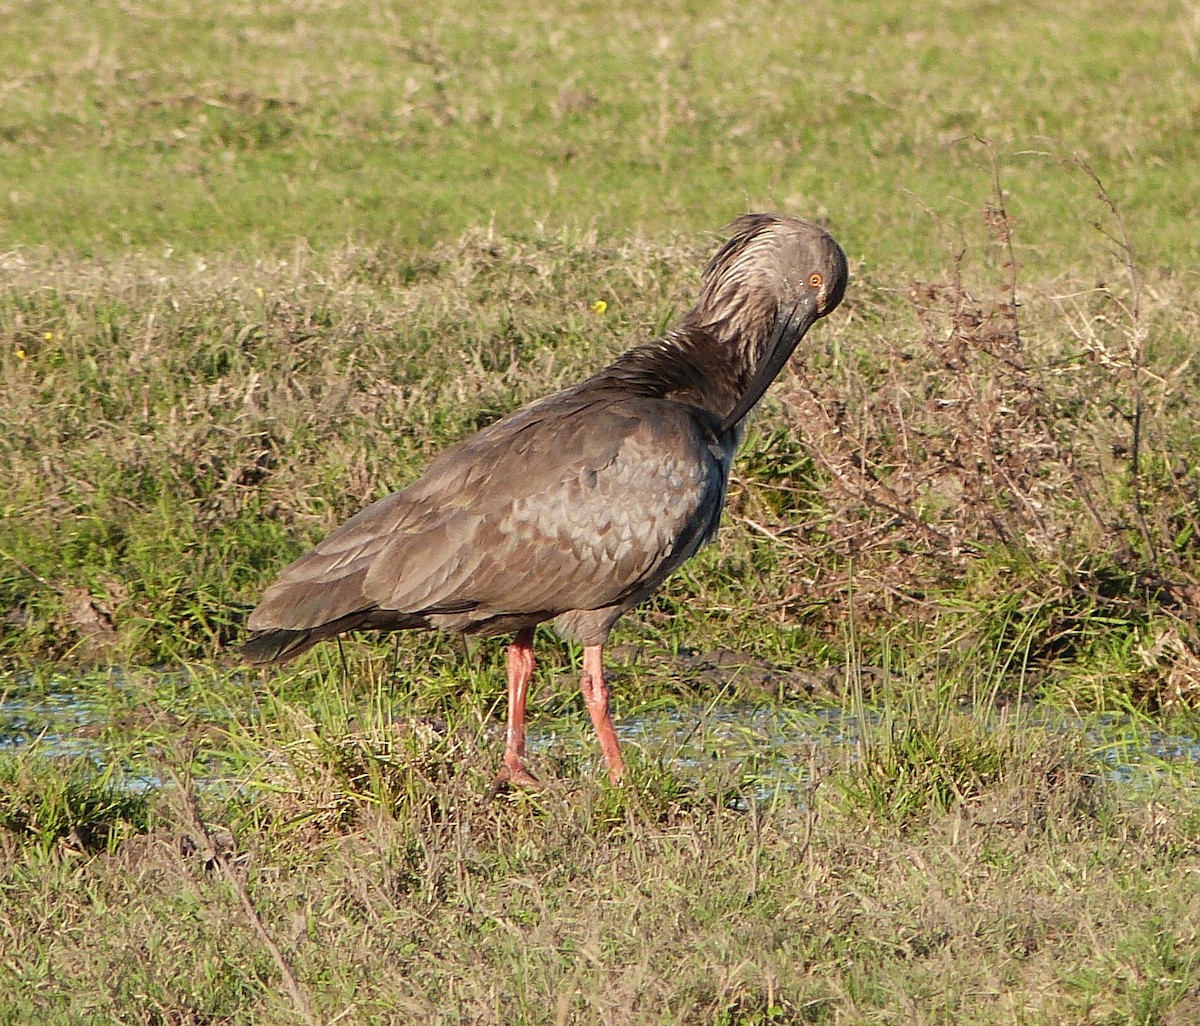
x=691, y=364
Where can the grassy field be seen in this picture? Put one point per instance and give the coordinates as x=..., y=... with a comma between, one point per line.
x=259, y=262
x=227, y=128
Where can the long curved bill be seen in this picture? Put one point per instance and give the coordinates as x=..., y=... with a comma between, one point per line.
x=790, y=328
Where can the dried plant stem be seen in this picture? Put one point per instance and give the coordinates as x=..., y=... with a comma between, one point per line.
x=1004, y=228
x=1136, y=355
x=213, y=855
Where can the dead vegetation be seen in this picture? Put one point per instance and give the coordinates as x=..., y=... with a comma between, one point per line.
x=1013, y=440
x=866, y=890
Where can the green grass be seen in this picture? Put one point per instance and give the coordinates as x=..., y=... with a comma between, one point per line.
x=213, y=129
x=47, y=800
x=259, y=263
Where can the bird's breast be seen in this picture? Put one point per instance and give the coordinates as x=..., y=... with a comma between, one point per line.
x=631, y=509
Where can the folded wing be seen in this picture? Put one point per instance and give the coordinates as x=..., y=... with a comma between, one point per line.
x=571, y=503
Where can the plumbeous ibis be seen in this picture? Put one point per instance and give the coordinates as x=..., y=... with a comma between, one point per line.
x=577, y=506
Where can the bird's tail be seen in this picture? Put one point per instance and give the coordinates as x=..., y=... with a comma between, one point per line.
x=278, y=646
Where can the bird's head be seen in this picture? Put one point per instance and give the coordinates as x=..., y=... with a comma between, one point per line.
x=773, y=279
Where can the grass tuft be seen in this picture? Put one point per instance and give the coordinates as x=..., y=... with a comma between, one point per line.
x=69, y=803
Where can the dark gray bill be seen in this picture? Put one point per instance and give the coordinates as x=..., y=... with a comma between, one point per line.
x=790, y=327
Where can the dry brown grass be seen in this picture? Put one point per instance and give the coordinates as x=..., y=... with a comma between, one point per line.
x=1043, y=897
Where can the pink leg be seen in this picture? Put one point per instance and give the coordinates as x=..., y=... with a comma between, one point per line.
x=520, y=673
x=595, y=697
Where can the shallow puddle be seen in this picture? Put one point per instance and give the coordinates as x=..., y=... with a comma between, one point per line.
x=775, y=742
x=768, y=746
x=57, y=722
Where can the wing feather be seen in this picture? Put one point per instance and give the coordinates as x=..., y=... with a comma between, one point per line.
x=562, y=506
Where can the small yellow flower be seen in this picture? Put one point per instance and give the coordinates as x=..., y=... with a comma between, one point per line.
x=20, y=354
x=48, y=336
x=260, y=293
x=599, y=306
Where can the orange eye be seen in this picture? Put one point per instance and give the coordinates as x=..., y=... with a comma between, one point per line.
x=815, y=280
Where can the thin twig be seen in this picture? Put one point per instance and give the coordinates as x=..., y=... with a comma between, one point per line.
x=1136, y=355
x=1006, y=239
x=214, y=856
x=29, y=572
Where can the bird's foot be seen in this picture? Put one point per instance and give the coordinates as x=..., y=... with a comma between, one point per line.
x=514, y=775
